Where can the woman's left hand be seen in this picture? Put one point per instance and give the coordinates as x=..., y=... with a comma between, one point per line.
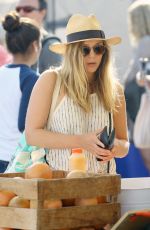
x=107, y=156
x=120, y=149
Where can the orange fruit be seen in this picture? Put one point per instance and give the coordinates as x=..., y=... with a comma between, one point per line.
x=76, y=174
x=52, y=203
x=5, y=197
x=86, y=201
x=19, y=202
x=38, y=170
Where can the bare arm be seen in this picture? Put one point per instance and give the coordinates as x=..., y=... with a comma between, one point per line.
x=37, y=115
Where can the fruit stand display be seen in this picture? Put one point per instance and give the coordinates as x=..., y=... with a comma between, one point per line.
x=37, y=217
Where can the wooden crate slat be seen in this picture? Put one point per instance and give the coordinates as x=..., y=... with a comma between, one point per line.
x=11, y=175
x=21, y=218
x=25, y=188
x=59, y=174
x=74, y=217
x=56, y=174
x=79, y=187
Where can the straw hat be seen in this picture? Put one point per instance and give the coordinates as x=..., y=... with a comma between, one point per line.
x=81, y=28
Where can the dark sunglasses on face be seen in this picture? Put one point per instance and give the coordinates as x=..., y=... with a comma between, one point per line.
x=26, y=9
x=98, y=49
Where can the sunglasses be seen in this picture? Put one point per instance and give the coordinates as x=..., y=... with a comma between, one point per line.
x=26, y=9
x=98, y=49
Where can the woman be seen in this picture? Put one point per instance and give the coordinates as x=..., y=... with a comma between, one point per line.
x=139, y=33
x=142, y=123
x=16, y=81
x=88, y=93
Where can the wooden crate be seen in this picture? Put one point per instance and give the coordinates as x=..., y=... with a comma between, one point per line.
x=37, y=190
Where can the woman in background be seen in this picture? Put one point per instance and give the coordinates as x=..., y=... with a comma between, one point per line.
x=139, y=33
x=142, y=123
x=16, y=81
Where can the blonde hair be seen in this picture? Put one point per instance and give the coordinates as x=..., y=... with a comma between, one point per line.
x=139, y=20
x=76, y=83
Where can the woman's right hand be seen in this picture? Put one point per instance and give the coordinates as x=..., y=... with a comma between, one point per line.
x=92, y=144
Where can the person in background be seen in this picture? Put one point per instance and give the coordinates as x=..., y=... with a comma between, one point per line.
x=141, y=134
x=5, y=57
x=139, y=33
x=89, y=98
x=37, y=9
x=16, y=81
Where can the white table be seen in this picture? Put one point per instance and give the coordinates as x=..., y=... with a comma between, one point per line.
x=135, y=194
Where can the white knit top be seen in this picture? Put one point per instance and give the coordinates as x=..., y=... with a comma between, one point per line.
x=69, y=118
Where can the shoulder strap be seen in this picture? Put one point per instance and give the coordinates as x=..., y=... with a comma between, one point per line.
x=110, y=128
x=54, y=98
x=110, y=125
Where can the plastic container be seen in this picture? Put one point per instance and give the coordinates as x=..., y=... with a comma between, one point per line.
x=77, y=160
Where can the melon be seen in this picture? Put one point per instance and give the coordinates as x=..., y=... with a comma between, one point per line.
x=19, y=202
x=5, y=197
x=38, y=170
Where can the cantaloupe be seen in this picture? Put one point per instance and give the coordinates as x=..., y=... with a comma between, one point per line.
x=38, y=170
x=86, y=201
x=19, y=202
x=76, y=174
x=18, y=177
x=5, y=197
x=52, y=203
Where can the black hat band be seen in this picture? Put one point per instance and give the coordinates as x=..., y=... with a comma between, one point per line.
x=83, y=35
